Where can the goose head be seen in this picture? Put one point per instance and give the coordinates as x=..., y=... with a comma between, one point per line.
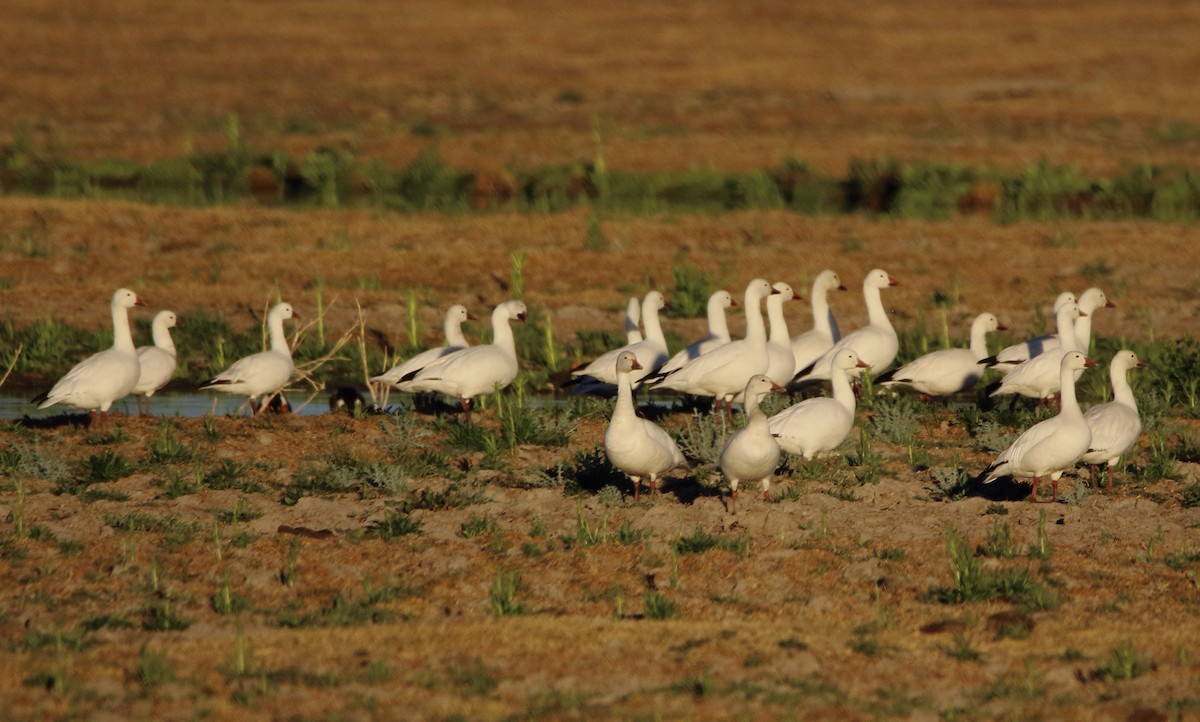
x=847, y=359
x=757, y=290
x=721, y=299
x=124, y=298
x=1126, y=359
x=653, y=300
x=1063, y=299
x=786, y=292
x=760, y=385
x=1092, y=299
x=879, y=278
x=512, y=310
x=1076, y=361
x=459, y=313
x=166, y=319
x=626, y=362
x=282, y=311
x=829, y=280
x=1067, y=313
x=988, y=322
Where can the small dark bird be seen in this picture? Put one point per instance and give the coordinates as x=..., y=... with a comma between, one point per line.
x=347, y=400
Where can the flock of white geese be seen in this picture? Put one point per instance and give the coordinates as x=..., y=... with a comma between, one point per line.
x=728, y=370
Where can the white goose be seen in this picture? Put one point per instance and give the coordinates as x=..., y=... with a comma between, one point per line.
x=1050, y=447
x=479, y=369
x=636, y=446
x=1115, y=425
x=263, y=373
x=1018, y=353
x=1038, y=378
x=820, y=423
x=633, y=319
x=600, y=376
x=456, y=315
x=157, y=362
x=876, y=343
x=102, y=378
x=723, y=372
x=950, y=370
x=718, y=333
x=751, y=453
x=810, y=345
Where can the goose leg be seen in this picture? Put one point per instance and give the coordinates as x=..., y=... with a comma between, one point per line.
x=1033, y=490
x=733, y=497
x=1054, y=490
x=766, y=489
x=1110, y=477
x=637, y=486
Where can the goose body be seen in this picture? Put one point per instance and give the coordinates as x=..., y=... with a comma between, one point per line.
x=724, y=371
x=947, y=371
x=263, y=373
x=637, y=446
x=1115, y=425
x=820, y=423
x=156, y=363
x=718, y=333
x=876, y=343
x=600, y=376
x=810, y=345
x=455, y=341
x=96, y=382
x=751, y=453
x=1049, y=447
x=1039, y=378
x=478, y=369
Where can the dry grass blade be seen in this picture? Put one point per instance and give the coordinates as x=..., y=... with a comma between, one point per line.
x=306, y=371
x=11, y=364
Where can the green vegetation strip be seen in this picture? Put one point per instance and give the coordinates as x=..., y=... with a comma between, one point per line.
x=335, y=177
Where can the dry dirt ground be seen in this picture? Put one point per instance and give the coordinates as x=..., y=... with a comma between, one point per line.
x=825, y=613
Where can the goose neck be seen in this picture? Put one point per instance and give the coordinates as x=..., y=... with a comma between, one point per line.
x=454, y=334
x=1065, y=323
x=876, y=313
x=1069, y=404
x=822, y=316
x=279, y=342
x=1083, y=332
x=1122, y=393
x=718, y=325
x=755, y=329
x=779, y=329
x=502, y=333
x=653, y=326
x=979, y=347
x=122, y=335
x=162, y=337
x=842, y=391
x=624, y=406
